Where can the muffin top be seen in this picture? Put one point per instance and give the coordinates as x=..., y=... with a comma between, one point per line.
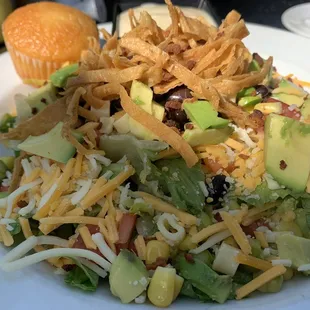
x=49, y=31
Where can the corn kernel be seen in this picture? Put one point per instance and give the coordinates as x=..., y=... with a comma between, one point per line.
x=156, y=249
x=178, y=283
x=161, y=289
x=231, y=241
x=187, y=244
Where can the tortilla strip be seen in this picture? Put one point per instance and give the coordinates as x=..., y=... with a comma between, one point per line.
x=163, y=88
x=39, y=124
x=174, y=30
x=105, y=61
x=231, y=18
x=158, y=128
x=17, y=172
x=143, y=48
x=108, y=75
x=92, y=100
x=106, y=90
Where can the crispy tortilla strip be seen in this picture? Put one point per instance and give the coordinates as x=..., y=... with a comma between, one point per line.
x=158, y=128
x=92, y=100
x=231, y=18
x=163, y=88
x=140, y=47
x=174, y=28
x=106, y=90
x=111, y=43
x=105, y=61
x=195, y=28
x=237, y=31
x=73, y=106
x=132, y=19
x=108, y=75
x=106, y=35
x=17, y=172
x=39, y=124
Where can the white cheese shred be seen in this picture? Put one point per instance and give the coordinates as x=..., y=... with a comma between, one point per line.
x=95, y=268
x=284, y=262
x=203, y=188
x=103, y=247
x=171, y=220
x=80, y=194
x=29, y=208
x=47, y=196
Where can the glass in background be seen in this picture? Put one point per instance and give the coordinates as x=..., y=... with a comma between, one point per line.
x=5, y=10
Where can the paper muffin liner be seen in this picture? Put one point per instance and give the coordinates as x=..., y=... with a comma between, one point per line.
x=31, y=68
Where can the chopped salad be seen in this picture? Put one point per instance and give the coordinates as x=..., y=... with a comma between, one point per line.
x=169, y=162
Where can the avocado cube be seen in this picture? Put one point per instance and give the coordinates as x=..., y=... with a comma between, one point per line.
x=204, y=115
x=287, y=151
x=196, y=136
x=249, y=101
x=51, y=145
x=142, y=95
x=128, y=276
x=289, y=99
x=59, y=78
x=8, y=161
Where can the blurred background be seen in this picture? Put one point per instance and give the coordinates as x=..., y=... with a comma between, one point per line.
x=266, y=12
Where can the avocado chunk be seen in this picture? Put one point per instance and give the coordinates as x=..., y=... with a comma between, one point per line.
x=59, y=78
x=289, y=99
x=204, y=115
x=254, y=66
x=305, y=109
x=158, y=111
x=122, y=124
x=142, y=95
x=51, y=145
x=3, y=170
x=245, y=92
x=128, y=276
x=196, y=136
x=8, y=161
x=249, y=101
x=297, y=249
x=289, y=88
x=287, y=151
x=41, y=97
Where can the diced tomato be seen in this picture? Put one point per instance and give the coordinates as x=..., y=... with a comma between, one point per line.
x=126, y=227
x=249, y=230
x=4, y=188
x=294, y=114
x=217, y=216
x=79, y=243
x=160, y=261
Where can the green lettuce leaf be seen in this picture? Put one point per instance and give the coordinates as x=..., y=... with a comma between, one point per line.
x=16, y=229
x=204, y=279
x=190, y=291
x=262, y=195
x=82, y=277
x=7, y=122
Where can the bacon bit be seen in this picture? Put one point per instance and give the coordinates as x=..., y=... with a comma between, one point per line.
x=249, y=230
x=190, y=64
x=283, y=165
x=230, y=168
x=4, y=188
x=189, y=126
x=217, y=217
x=167, y=77
x=243, y=156
x=294, y=114
x=173, y=48
x=189, y=258
x=22, y=204
x=160, y=262
x=68, y=267
x=258, y=118
x=212, y=165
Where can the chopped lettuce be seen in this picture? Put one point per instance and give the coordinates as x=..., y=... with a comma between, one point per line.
x=262, y=195
x=7, y=122
x=82, y=277
x=94, y=211
x=166, y=178
x=204, y=279
x=190, y=291
x=182, y=183
x=116, y=168
x=16, y=229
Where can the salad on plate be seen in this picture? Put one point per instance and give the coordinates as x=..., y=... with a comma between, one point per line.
x=169, y=162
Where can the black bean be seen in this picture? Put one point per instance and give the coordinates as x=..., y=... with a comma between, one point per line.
x=218, y=188
x=179, y=94
x=262, y=90
x=115, y=106
x=179, y=117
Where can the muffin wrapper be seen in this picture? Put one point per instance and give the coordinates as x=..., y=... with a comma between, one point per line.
x=32, y=68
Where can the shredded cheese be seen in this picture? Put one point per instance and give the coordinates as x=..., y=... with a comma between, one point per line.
x=262, y=279
x=111, y=185
x=254, y=212
x=162, y=206
x=87, y=238
x=260, y=236
x=28, y=209
x=33, y=175
x=234, y=144
x=80, y=194
x=105, y=233
x=110, y=224
x=103, y=247
x=104, y=209
x=253, y=262
x=71, y=220
x=78, y=166
x=237, y=232
x=140, y=247
x=6, y=236
x=75, y=212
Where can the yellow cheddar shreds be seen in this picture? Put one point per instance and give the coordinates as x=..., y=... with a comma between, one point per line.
x=110, y=223
x=78, y=166
x=253, y=262
x=140, y=247
x=262, y=279
x=34, y=175
x=70, y=220
x=237, y=232
x=104, y=209
x=76, y=211
x=86, y=236
x=234, y=144
x=118, y=216
x=260, y=236
x=6, y=236
x=208, y=231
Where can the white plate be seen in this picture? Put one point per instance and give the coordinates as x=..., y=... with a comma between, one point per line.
x=38, y=288
x=297, y=19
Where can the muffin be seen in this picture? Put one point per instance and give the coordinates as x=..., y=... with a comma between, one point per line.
x=41, y=37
